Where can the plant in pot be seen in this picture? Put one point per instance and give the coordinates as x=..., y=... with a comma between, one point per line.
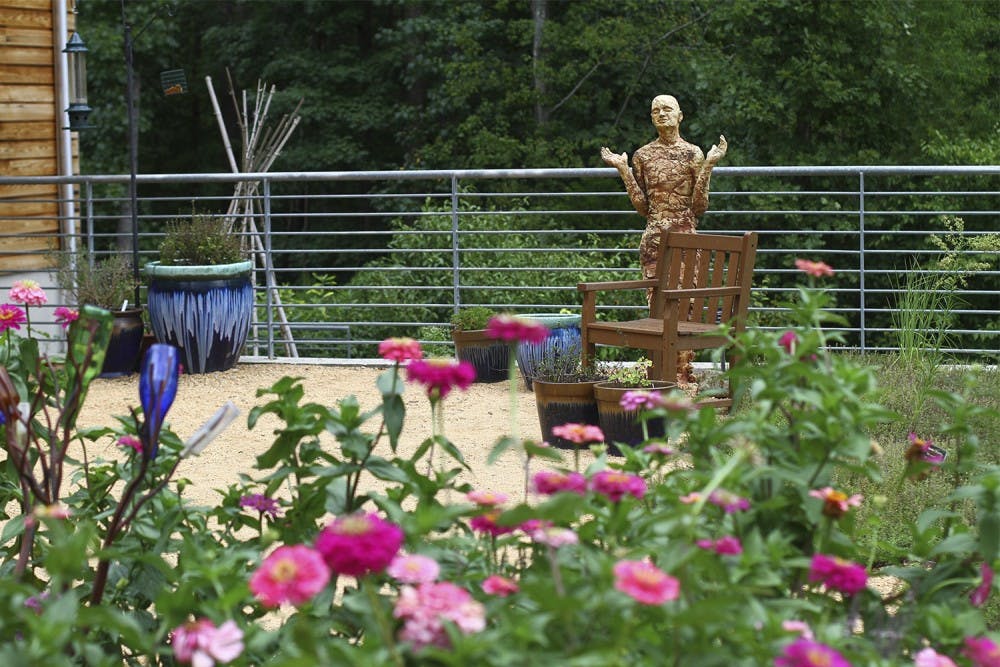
x=200, y=295
x=489, y=357
x=617, y=423
x=564, y=393
x=563, y=338
x=107, y=283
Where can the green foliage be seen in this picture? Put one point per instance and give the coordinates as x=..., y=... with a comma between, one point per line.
x=200, y=240
x=106, y=283
x=472, y=319
x=632, y=375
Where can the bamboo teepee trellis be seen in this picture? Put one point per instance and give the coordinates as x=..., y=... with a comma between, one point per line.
x=261, y=146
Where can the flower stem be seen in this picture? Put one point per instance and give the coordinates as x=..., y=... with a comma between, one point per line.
x=383, y=623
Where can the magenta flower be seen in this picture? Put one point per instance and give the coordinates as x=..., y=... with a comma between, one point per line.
x=814, y=269
x=261, y=503
x=548, y=482
x=807, y=653
x=11, y=317
x=440, y=376
x=928, y=657
x=981, y=594
x=425, y=608
x=359, y=543
x=554, y=536
x=838, y=574
x=499, y=586
x=728, y=501
x=487, y=523
x=789, y=340
x=130, y=441
x=400, y=349
x=836, y=503
x=509, y=328
x=201, y=644
x=65, y=316
x=640, y=400
x=644, y=582
x=28, y=293
x=290, y=574
x=659, y=448
x=982, y=651
x=726, y=546
x=614, y=484
x=580, y=434
x=487, y=498
x=413, y=569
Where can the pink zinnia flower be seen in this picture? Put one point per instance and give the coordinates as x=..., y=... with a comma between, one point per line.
x=11, y=317
x=580, y=434
x=65, y=316
x=400, y=349
x=130, y=441
x=202, y=644
x=842, y=575
x=509, y=328
x=554, y=536
x=728, y=501
x=660, y=448
x=413, y=569
x=836, y=503
x=487, y=523
x=982, y=651
x=801, y=628
x=359, y=543
x=928, y=657
x=615, y=484
x=691, y=498
x=499, y=586
x=28, y=293
x=440, y=376
x=261, y=503
x=290, y=574
x=640, y=400
x=815, y=269
x=726, y=546
x=487, y=498
x=425, y=608
x=921, y=457
x=644, y=582
x=548, y=482
x=807, y=653
x=789, y=340
x=982, y=592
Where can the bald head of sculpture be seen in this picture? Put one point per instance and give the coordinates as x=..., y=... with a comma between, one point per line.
x=666, y=112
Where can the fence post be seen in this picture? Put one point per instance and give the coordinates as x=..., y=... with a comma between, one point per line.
x=456, y=291
x=268, y=268
x=861, y=258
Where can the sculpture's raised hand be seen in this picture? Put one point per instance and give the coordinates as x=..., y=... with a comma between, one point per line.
x=615, y=160
x=718, y=151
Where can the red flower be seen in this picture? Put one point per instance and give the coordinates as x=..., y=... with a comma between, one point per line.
x=836, y=503
x=11, y=317
x=400, y=349
x=509, y=329
x=815, y=269
x=548, y=482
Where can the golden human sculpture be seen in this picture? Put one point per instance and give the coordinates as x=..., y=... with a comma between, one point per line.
x=668, y=185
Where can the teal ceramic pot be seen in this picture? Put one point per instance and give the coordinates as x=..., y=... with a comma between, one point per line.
x=563, y=339
x=204, y=310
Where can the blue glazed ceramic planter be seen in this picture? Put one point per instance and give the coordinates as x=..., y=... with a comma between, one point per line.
x=126, y=342
x=563, y=339
x=203, y=310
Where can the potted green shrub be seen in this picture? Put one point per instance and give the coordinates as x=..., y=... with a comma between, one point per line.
x=617, y=423
x=107, y=283
x=489, y=357
x=200, y=295
x=564, y=393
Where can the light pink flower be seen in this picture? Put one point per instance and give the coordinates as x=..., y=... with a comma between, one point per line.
x=728, y=501
x=640, y=400
x=28, y=293
x=836, y=503
x=815, y=269
x=580, y=434
x=509, y=328
x=11, y=317
x=359, y=543
x=400, y=349
x=548, y=482
x=65, y=316
x=614, y=484
x=691, y=498
x=413, y=569
x=981, y=594
x=807, y=653
x=499, y=586
x=290, y=574
x=801, y=628
x=130, y=441
x=789, y=340
x=838, y=574
x=487, y=498
x=644, y=582
x=201, y=644
x=982, y=651
x=440, y=376
x=928, y=657
x=426, y=607
x=660, y=448
x=487, y=523
x=554, y=536
x=726, y=546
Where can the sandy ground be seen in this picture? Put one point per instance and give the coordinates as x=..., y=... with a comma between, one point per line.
x=474, y=419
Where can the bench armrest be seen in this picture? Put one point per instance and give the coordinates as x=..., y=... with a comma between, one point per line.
x=616, y=285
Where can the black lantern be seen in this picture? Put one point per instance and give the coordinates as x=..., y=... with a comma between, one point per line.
x=78, y=110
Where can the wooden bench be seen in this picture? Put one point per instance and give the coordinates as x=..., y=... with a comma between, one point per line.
x=702, y=281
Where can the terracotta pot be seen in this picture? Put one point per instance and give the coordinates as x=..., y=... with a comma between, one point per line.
x=564, y=402
x=490, y=358
x=620, y=425
x=126, y=342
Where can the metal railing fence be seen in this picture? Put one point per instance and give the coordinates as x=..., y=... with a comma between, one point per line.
x=358, y=256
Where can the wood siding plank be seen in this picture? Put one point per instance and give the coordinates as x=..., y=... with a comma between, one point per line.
x=27, y=131
x=39, y=75
x=25, y=55
x=39, y=38
x=12, y=112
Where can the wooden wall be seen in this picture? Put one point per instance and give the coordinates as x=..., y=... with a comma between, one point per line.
x=29, y=132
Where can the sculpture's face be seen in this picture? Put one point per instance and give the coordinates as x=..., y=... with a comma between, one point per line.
x=665, y=112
